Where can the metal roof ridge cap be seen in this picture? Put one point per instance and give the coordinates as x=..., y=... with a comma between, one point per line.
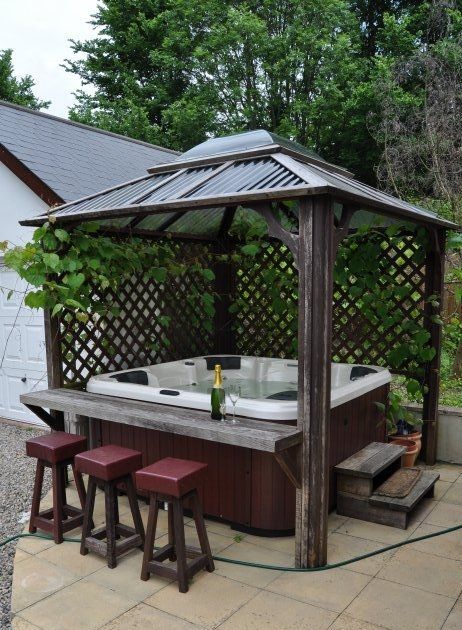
x=219, y=158
x=306, y=159
x=297, y=169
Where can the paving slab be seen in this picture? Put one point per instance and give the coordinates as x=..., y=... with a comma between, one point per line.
x=398, y=607
x=210, y=600
x=248, y=552
x=271, y=611
x=142, y=617
x=83, y=605
x=35, y=579
x=429, y=573
x=332, y=590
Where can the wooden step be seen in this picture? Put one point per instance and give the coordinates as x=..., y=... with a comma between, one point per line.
x=423, y=487
x=387, y=510
x=371, y=460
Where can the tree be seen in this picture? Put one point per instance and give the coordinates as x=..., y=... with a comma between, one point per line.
x=421, y=135
x=18, y=91
x=189, y=70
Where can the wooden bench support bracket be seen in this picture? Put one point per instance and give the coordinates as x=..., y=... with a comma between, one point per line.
x=54, y=420
x=290, y=464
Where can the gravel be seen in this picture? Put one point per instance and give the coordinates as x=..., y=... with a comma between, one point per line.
x=16, y=482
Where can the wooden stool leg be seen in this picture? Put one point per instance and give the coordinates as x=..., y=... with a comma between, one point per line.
x=64, y=482
x=57, y=481
x=171, y=533
x=36, y=496
x=135, y=508
x=180, y=546
x=88, y=514
x=201, y=531
x=79, y=485
x=110, y=496
x=150, y=536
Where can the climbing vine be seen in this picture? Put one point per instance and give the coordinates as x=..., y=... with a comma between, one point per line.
x=63, y=267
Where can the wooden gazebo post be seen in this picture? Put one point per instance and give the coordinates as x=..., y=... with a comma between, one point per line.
x=314, y=373
x=434, y=285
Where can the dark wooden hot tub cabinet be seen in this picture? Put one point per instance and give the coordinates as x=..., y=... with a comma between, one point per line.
x=246, y=487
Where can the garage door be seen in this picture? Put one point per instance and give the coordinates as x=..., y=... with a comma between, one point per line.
x=22, y=349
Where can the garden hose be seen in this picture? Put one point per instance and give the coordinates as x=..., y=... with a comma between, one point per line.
x=273, y=567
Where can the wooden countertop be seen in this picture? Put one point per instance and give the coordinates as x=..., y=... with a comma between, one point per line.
x=249, y=433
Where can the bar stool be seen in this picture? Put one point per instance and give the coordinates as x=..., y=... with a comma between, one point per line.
x=110, y=466
x=56, y=451
x=174, y=480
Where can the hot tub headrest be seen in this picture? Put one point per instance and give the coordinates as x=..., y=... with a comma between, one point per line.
x=227, y=363
x=137, y=377
x=290, y=394
x=358, y=371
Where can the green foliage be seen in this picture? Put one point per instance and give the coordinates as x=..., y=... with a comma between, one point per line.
x=175, y=72
x=18, y=91
x=63, y=266
x=396, y=414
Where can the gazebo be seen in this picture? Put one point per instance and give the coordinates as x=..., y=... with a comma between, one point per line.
x=194, y=202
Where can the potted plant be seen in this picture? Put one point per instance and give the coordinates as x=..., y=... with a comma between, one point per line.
x=403, y=427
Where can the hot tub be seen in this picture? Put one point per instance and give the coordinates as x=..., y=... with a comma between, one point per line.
x=268, y=386
x=245, y=487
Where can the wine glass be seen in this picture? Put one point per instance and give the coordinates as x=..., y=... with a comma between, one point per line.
x=234, y=393
x=223, y=410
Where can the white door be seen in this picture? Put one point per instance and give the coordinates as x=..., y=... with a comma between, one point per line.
x=22, y=349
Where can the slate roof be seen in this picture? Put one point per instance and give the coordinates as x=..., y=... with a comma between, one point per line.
x=229, y=174
x=74, y=160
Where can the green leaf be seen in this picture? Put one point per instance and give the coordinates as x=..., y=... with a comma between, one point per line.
x=75, y=304
x=62, y=235
x=208, y=274
x=251, y=249
x=36, y=299
x=51, y=261
x=74, y=280
x=56, y=309
x=159, y=273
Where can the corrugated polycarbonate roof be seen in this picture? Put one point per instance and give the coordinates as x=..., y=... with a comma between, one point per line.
x=228, y=181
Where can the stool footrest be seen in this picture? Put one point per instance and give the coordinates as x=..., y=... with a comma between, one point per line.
x=121, y=546
x=198, y=560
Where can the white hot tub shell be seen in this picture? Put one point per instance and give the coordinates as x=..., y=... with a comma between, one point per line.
x=268, y=386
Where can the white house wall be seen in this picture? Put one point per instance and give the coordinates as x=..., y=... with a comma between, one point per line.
x=22, y=345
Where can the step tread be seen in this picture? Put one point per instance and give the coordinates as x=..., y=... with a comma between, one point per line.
x=371, y=460
x=406, y=504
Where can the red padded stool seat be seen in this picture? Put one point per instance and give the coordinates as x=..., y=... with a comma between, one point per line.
x=174, y=480
x=110, y=466
x=109, y=462
x=56, y=451
x=55, y=447
x=172, y=476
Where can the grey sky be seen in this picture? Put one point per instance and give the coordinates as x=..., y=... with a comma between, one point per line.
x=38, y=32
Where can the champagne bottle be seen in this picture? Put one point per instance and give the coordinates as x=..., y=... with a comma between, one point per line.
x=218, y=394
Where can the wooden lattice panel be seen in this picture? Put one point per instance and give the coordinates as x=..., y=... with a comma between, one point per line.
x=140, y=335
x=157, y=322
x=262, y=331
x=355, y=339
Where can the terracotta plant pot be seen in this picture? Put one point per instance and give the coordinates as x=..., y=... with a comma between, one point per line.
x=408, y=458
x=415, y=436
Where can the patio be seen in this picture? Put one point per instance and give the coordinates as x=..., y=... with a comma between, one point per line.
x=415, y=586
